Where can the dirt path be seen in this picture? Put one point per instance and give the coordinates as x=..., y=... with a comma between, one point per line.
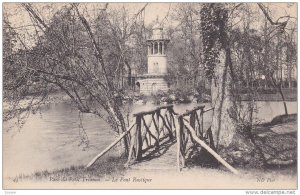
x=165, y=160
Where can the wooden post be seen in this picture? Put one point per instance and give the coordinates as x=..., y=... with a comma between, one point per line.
x=139, y=143
x=157, y=117
x=201, y=116
x=170, y=119
x=181, y=128
x=178, y=146
x=198, y=129
x=192, y=119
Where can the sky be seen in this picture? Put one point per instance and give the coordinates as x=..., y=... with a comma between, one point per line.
x=20, y=19
x=152, y=10
x=22, y=23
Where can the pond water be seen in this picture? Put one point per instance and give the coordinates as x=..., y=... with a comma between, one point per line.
x=51, y=139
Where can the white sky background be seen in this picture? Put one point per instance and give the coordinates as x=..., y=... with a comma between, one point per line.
x=19, y=16
x=20, y=19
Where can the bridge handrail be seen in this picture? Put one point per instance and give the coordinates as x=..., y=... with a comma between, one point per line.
x=208, y=109
x=193, y=110
x=153, y=110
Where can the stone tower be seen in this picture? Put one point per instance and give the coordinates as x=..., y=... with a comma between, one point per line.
x=154, y=79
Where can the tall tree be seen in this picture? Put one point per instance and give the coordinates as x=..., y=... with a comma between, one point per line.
x=218, y=64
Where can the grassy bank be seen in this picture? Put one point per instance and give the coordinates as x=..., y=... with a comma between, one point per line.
x=103, y=169
x=278, y=120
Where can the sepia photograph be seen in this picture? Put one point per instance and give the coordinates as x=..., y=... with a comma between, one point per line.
x=174, y=95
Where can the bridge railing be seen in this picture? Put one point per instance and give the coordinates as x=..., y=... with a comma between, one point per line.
x=156, y=127
x=191, y=135
x=185, y=140
x=153, y=128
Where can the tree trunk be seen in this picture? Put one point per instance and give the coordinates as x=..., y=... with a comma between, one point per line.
x=129, y=83
x=120, y=127
x=223, y=126
x=283, y=99
x=233, y=142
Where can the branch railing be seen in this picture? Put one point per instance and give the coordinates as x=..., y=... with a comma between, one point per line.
x=156, y=127
x=153, y=128
x=191, y=135
x=186, y=142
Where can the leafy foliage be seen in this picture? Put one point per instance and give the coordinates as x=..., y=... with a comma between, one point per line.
x=213, y=24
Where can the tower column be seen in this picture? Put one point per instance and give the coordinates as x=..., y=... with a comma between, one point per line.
x=152, y=47
x=158, y=44
x=149, y=52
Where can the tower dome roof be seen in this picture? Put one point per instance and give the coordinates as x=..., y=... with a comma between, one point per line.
x=157, y=25
x=158, y=32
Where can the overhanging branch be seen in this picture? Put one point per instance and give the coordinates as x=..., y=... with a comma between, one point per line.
x=277, y=23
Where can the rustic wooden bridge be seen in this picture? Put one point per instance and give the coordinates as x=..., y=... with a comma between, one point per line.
x=153, y=140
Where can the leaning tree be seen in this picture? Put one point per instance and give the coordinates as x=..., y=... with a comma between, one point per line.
x=70, y=52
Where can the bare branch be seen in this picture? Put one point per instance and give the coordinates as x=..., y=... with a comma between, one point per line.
x=281, y=24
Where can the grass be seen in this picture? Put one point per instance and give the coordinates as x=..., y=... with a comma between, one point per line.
x=280, y=119
x=283, y=119
x=103, y=169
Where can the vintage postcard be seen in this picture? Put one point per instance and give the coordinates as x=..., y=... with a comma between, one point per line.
x=150, y=95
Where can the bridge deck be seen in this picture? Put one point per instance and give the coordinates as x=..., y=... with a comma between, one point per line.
x=165, y=159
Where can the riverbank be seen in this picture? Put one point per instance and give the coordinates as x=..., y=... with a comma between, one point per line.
x=109, y=172
x=104, y=169
x=31, y=104
x=138, y=99
x=270, y=145
x=178, y=97
x=289, y=95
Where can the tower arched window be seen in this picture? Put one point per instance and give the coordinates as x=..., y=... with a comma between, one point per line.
x=155, y=48
x=160, y=48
